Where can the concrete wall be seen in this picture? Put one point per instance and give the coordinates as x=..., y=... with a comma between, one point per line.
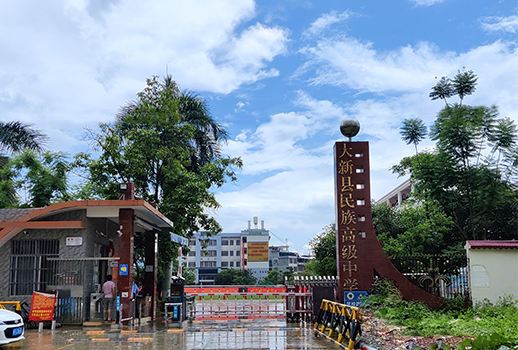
x=493, y=274
x=91, y=240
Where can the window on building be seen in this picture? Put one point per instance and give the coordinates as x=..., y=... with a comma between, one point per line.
x=231, y=264
x=192, y=253
x=224, y=253
x=238, y=263
x=224, y=264
x=207, y=264
x=192, y=264
x=224, y=242
x=231, y=242
x=213, y=242
x=30, y=268
x=237, y=241
x=231, y=253
x=192, y=242
x=211, y=253
x=238, y=253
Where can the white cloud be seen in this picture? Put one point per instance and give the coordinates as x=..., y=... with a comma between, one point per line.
x=350, y=63
x=426, y=2
x=73, y=63
x=504, y=24
x=323, y=22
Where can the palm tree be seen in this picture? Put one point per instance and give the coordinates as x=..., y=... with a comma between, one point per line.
x=15, y=136
x=442, y=90
x=413, y=131
x=464, y=83
x=207, y=134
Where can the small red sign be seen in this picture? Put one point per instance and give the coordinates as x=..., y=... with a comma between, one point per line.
x=42, y=307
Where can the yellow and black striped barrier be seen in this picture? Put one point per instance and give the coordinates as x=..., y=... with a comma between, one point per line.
x=339, y=323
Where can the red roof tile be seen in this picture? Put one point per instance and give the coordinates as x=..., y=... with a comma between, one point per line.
x=493, y=244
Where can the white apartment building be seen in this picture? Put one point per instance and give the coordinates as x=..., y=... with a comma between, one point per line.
x=281, y=259
x=245, y=250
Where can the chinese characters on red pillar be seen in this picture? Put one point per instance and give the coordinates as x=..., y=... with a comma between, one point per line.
x=347, y=218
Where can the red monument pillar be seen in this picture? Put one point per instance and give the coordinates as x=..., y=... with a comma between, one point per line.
x=359, y=253
x=353, y=216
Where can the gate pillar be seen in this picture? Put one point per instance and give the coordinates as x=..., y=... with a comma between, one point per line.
x=150, y=269
x=359, y=252
x=125, y=278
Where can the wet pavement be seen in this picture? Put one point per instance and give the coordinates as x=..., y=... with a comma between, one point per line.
x=228, y=334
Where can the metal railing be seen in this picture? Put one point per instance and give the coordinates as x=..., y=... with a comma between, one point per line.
x=443, y=275
x=255, y=302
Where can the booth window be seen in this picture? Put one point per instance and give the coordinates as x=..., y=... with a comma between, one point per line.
x=30, y=268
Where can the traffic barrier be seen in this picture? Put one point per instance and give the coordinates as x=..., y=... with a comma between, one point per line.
x=339, y=321
x=261, y=303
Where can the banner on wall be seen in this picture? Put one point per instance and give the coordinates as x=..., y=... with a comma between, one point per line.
x=257, y=251
x=42, y=307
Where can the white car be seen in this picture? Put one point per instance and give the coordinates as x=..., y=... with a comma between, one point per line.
x=11, y=327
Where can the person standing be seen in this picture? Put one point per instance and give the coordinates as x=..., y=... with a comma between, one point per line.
x=109, y=296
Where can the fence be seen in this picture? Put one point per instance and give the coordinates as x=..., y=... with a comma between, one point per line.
x=443, y=275
x=69, y=311
x=226, y=303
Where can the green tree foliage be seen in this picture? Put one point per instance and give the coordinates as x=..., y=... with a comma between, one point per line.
x=189, y=274
x=413, y=131
x=168, y=145
x=463, y=84
x=416, y=229
x=234, y=277
x=464, y=182
x=16, y=136
x=273, y=277
x=8, y=196
x=324, y=248
x=44, y=177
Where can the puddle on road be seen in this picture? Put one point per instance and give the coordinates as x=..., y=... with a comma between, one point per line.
x=207, y=335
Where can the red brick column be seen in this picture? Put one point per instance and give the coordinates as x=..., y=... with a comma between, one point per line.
x=125, y=282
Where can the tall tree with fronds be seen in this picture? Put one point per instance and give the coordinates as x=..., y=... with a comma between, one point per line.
x=166, y=143
x=442, y=90
x=15, y=136
x=413, y=131
x=481, y=203
x=464, y=83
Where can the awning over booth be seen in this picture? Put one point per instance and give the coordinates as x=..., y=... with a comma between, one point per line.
x=147, y=217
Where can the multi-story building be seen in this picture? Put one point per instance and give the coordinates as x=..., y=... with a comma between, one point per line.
x=281, y=259
x=245, y=250
x=396, y=196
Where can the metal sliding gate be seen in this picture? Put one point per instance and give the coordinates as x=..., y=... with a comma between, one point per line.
x=248, y=303
x=68, y=279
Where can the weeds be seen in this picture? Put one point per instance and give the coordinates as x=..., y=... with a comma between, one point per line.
x=492, y=326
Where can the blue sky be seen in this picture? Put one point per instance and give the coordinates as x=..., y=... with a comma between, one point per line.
x=280, y=75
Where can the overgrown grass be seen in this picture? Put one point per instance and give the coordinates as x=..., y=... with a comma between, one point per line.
x=491, y=325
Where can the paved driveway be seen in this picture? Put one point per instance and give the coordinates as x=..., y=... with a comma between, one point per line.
x=230, y=334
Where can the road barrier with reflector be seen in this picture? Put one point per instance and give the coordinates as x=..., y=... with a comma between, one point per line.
x=339, y=323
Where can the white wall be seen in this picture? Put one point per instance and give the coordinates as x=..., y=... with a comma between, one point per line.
x=493, y=273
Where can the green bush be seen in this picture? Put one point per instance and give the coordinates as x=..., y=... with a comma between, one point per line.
x=382, y=293
x=493, y=326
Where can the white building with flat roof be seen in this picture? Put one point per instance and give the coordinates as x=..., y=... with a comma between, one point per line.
x=245, y=250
